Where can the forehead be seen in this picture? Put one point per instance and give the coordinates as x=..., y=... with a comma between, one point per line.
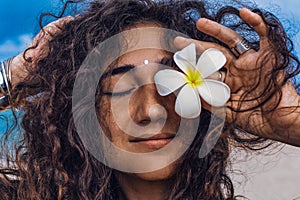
x=143, y=42
x=141, y=36
x=141, y=57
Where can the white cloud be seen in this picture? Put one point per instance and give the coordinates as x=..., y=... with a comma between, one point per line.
x=13, y=47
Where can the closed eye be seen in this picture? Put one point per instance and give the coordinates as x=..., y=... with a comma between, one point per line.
x=119, y=94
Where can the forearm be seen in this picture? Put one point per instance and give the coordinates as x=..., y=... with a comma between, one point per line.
x=285, y=120
x=280, y=124
x=13, y=71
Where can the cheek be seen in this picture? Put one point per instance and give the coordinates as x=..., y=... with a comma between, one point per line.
x=107, y=121
x=105, y=116
x=169, y=104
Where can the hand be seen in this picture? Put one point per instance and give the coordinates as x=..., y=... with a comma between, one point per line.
x=39, y=48
x=248, y=76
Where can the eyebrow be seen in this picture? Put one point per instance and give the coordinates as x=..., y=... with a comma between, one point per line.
x=119, y=70
x=125, y=68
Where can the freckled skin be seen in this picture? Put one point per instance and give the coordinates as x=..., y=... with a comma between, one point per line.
x=141, y=100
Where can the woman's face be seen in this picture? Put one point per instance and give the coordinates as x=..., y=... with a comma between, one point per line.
x=137, y=118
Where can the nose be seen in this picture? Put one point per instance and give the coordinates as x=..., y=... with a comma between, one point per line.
x=148, y=106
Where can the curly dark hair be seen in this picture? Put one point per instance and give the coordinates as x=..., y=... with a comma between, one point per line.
x=50, y=160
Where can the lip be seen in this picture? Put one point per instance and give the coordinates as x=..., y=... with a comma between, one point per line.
x=154, y=142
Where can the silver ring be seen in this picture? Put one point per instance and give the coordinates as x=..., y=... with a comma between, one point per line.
x=241, y=47
x=220, y=75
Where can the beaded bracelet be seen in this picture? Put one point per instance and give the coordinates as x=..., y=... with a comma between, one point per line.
x=5, y=83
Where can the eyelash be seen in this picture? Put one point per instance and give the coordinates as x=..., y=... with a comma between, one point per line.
x=118, y=94
x=169, y=62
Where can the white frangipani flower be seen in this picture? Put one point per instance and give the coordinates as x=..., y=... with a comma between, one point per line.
x=193, y=81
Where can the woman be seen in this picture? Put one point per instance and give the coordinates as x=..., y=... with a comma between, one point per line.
x=55, y=159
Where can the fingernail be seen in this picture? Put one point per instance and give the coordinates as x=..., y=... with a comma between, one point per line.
x=181, y=39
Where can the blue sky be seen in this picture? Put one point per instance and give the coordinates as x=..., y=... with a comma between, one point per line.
x=18, y=23
x=19, y=20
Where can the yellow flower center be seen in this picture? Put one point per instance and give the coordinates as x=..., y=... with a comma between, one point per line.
x=193, y=78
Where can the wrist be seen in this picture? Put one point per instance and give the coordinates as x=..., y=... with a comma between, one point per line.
x=5, y=84
x=18, y=71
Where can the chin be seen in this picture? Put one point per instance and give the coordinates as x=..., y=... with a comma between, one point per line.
x=158, y=175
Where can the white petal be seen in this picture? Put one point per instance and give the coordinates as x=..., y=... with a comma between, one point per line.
x=167, y=81
x=188, y=103
x=186, y=58
x=210, y=61
x=214, y=92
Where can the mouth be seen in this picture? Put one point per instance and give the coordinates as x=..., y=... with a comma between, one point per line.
x=154, y=142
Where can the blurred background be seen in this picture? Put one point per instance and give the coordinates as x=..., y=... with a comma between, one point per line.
x=275, y=176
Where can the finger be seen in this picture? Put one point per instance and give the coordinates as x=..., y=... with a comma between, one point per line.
x=56, y=26
x=39, y=45
x=62, y=22
x=227, y=78
x=218, y=76
x=49, y=31
x=257, y=23
x=181, y=42
x=218, y=31
x=52, y=29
